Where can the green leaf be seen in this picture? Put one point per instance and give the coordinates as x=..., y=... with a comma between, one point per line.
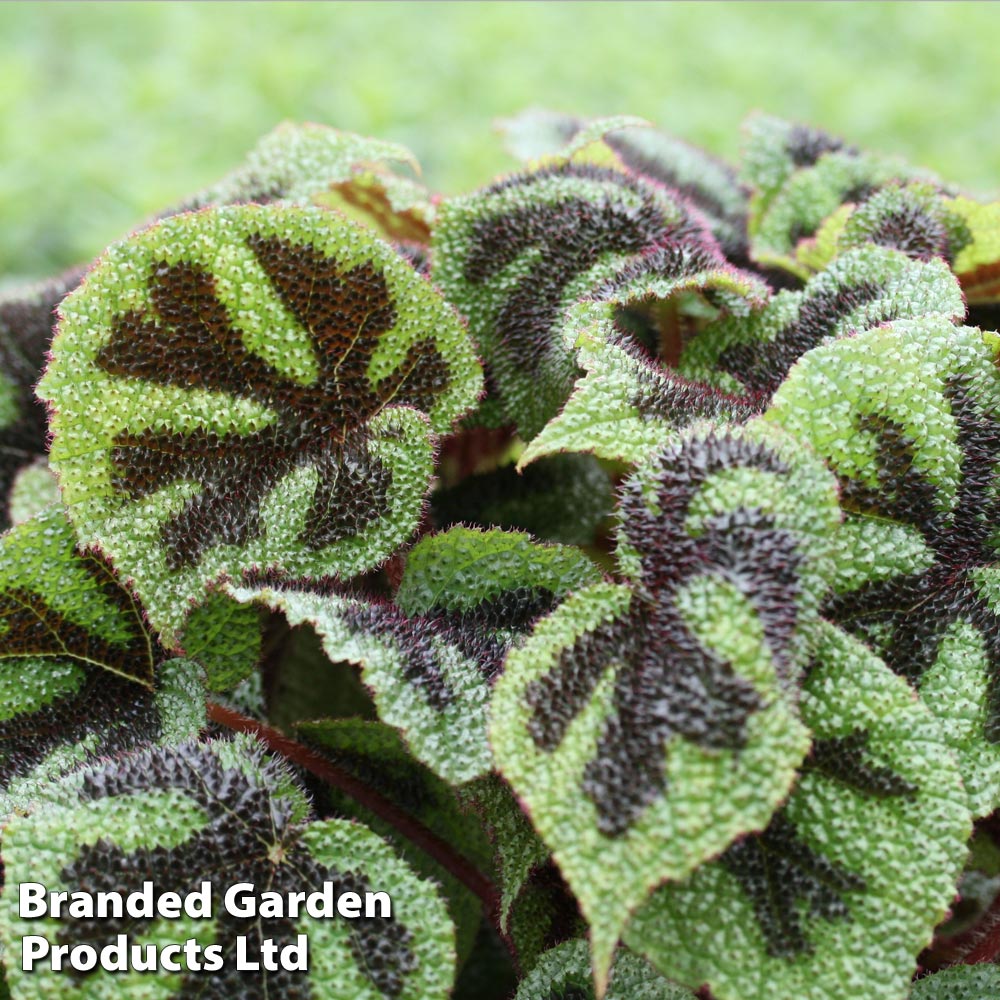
x=961, y=982
x=564, y=974
x=978, y=263
x=800, y=177
x=628, y=405
x=377, y=756
x=34, y=488
x=645, y=725
x=518, y=849
x=908, y=417
x=27, y=315
x=424, y=685
x=839, y=895
x=56, y=717
x=562, y=499
x=861, y=289
x=707, y=183
x=221, y=813
x=66, y=609
x=512, y=256
x=463, y=568
x=225, y=638
x=250, y=387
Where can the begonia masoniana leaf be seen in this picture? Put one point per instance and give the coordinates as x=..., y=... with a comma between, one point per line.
x=250, y=387
x=422, y=684
x=376, y=754
x=563, y=973
x=908, y=418
x=512, y=256
x=219, y=812
x=960, y=982
x=801, y=176
x=27, y=316
x=628, y=335
x=704, y=181
x=647, y=724
x=430, y=658
x=862, y=288
x=837, y=897
x=304, y=164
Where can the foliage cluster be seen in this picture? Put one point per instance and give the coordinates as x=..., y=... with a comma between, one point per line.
x=603, y=563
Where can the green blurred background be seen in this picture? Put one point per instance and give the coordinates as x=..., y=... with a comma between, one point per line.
x=111, y=111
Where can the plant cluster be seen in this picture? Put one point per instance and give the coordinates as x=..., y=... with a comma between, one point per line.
x=603, y=563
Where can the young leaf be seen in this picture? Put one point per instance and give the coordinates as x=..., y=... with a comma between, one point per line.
x=861, y=289
x=512, y=256
x=705, y=182
x=376, y=755
x=564, y=974
x=908, y=417
x=960, y=982
x=27, y=316
x=250, y=387
x=841, y=892
x=645, y=725
x=219, y=812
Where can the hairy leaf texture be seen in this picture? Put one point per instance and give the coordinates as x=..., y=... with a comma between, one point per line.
x=302, y=164
x=220, y=812
x=27, y=316
x=429, y=659
x=836, y=898
x=514, y=255
x=628, y=335
x=961, y=982
x=908, y=417
x=799, y=177
x=250, y=387
x=862, y=288
x=706, y=183
x=564, y=974
x=648, y=723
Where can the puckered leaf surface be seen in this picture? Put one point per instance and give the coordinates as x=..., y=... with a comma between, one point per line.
x=707, y=183
x=961, y=982
x=250, y=387
x=862, y=288
x=563, y=973
x=908, y=417
x=430, y=658
x=219, y=812
x=647, y=724
x=512, y=256
x=314, y=164
x=841, y=892
x=800, y=177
